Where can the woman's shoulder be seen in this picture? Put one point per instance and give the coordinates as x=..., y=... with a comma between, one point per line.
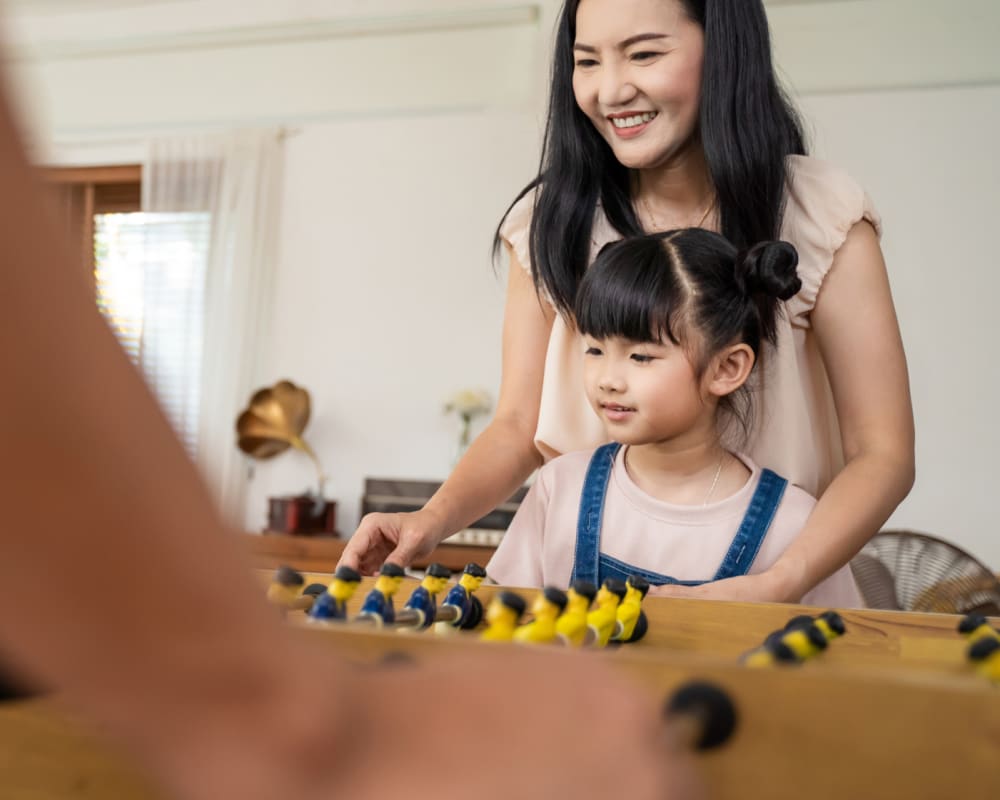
x=822, y=203
x=516, y=226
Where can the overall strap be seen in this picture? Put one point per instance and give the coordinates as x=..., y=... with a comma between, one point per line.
x=588, y=525
x=763, y=506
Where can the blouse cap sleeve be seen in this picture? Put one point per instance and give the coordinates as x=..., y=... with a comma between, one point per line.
x=516, y=228
x=822, y=205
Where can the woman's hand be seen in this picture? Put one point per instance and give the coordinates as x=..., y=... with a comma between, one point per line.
x=399, y=538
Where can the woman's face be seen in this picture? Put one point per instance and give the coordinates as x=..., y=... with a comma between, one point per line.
x=637, y=76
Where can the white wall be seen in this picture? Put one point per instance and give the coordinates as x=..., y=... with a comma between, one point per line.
x=926, y=158
x=418, y=122
x=386, y=300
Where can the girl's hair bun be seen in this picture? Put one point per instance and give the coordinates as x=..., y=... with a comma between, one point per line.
x=768, y=268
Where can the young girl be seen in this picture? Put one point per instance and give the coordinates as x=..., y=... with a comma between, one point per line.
x=673, y=325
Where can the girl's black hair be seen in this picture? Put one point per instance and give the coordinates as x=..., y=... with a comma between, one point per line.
x=747, y=127
x=693, y=288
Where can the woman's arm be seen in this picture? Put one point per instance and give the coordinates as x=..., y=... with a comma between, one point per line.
x=497, y=462
x=858, y=335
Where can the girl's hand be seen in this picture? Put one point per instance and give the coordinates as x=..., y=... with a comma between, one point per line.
x=399, y=538
x=770, y=586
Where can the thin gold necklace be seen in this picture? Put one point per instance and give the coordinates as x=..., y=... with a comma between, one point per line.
x=698, y=224
x=715, y=482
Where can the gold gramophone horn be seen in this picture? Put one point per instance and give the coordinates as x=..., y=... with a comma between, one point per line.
x=274, y=421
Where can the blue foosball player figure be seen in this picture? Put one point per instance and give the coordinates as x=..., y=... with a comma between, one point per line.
x=422, y=603
x=378, y=606
x=332, y=604
x=460, y=607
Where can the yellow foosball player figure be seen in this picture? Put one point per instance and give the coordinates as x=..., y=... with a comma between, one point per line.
x=503, y=614
x=802, y=638
x=631, y=623
x=548, y=605
x=831, y=625
x=985, y=653
x=285, y=589
x=331, y=606
x=460, y=607
x=377, y=607
x=422, y=604
x=601, y=621
x=571, y=627
x=976, y=627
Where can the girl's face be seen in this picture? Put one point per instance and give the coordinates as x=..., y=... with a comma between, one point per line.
x=646, y=393
x=637, y=76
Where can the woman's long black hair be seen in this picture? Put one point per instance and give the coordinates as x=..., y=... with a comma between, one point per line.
x=747, y=128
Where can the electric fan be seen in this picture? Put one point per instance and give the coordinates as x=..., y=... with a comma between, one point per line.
x=911, y=571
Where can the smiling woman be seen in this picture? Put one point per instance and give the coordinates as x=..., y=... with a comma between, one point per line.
x=667, y=114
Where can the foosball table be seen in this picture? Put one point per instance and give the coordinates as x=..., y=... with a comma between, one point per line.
x=780, y=701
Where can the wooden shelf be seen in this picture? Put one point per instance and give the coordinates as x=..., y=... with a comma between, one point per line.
x=321, y=553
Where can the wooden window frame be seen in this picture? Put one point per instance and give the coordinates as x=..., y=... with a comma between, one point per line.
x=82, y=192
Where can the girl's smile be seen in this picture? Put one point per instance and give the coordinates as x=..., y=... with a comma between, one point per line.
x=613, y=412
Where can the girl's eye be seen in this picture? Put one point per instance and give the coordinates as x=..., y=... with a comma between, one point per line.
x=641, y=358
x=593, y=351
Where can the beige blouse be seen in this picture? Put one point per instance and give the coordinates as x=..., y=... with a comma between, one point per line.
x=795, y=432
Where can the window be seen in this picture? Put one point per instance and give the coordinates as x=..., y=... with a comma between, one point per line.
x=148, y=273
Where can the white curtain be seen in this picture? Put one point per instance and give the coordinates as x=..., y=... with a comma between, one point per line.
x=211, y=206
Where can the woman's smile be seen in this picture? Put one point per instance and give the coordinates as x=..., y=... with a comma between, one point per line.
x=629, y=124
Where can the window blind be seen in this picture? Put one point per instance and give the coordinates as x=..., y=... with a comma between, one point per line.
x=149, y=271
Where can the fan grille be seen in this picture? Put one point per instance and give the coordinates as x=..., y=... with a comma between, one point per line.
x=912, y=571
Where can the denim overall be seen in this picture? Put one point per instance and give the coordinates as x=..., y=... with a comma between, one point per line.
x=590, y=564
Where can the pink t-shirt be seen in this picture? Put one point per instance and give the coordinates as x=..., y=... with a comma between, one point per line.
x=685, y=542
x=796, y=432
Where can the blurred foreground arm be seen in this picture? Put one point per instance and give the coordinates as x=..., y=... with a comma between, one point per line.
x=150, y=621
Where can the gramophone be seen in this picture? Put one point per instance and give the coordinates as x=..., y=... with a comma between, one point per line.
x=272, y=423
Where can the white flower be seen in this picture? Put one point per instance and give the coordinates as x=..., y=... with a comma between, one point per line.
x=469, y=403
